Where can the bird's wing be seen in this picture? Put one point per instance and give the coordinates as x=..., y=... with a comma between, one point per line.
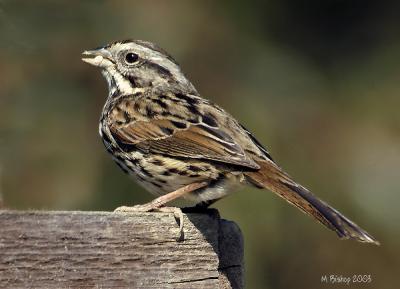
x=179, y=138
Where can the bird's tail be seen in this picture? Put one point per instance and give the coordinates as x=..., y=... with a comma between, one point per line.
x=271, y=177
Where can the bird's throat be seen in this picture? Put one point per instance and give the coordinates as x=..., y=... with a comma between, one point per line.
x=117, y=83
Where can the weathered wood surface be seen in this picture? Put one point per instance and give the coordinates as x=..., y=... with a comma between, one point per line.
x=118, y=250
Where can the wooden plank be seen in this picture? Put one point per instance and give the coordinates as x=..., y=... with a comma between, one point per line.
x=44, y=249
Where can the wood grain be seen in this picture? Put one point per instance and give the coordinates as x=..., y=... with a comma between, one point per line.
x=44, y=249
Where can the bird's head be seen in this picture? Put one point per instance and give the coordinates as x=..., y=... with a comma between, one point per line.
x=134, y=64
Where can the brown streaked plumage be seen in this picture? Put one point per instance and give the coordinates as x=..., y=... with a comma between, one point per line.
x=159, y=130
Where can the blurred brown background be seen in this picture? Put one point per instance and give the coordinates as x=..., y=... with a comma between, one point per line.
x=318, y=82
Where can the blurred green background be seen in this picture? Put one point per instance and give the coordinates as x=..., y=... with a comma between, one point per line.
x=318, y=82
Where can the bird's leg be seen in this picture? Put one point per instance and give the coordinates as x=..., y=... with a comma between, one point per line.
x=158, y=204
x=162, y=200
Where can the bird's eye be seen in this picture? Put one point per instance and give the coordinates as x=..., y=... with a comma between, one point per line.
x=131, y=58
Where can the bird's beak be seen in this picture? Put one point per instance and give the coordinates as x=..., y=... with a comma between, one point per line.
x=100, y=57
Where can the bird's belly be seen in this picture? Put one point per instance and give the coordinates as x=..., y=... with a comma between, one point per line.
x=161, y=175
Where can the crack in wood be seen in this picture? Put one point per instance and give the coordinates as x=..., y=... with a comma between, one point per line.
x=106, y=250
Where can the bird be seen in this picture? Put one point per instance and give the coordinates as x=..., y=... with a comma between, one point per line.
x=177, y=144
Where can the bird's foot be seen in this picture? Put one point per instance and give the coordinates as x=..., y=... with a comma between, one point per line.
x=135, y=209
x=178, y=215
x=157, y=205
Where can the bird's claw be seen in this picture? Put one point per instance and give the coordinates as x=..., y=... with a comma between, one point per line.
x=134, y=209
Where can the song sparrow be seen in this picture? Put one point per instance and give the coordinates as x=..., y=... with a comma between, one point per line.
x=176, y=144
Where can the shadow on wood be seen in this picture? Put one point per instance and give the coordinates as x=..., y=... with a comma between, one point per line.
x=118, y=250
